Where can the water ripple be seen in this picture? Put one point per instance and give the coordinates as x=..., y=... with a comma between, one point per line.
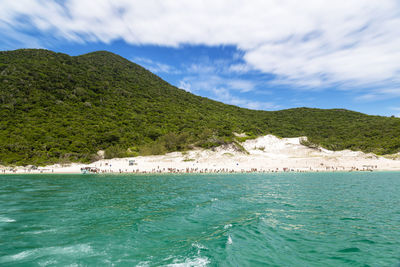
x=307, y=219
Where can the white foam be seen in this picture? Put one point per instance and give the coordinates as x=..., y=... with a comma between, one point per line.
x=48, y=262
x=272, y=222
x=199, y=246
x=143, y=264
x=229, y=241
x=16, y=257
x=22, y=255
x=6, y=219
x=198, y=262
x=43, y=231
x=76, y=249
x=227, y=226
x=81, y=248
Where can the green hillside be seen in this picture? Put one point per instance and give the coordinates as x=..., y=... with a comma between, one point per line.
x=58, y=108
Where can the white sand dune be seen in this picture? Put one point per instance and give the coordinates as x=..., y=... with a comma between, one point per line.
x=266, y=153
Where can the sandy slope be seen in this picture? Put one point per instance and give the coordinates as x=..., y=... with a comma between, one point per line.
x=266, y=153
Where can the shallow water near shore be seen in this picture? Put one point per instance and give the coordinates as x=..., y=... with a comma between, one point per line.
x=287, y=219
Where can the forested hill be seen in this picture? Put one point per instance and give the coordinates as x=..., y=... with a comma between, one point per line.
x=58, y=108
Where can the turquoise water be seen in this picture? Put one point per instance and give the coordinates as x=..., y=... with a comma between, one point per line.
x=307, y=219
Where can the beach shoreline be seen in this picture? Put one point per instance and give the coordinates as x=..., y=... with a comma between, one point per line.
x=189, y=173
x=266, y=154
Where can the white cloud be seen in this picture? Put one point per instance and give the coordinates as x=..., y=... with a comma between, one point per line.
x=13, y=38
x=185, y=86
x=224, y=95
x=219, y=66
x=208, y=81
x=207, y=74
x=241, y=85
x=313, y=43
x=155, y=66
x=396, y=109
x=203, y=68
x=227, y=90
x=380, y=94
x=239, y=68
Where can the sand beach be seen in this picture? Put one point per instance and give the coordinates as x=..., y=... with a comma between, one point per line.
x=264, y=154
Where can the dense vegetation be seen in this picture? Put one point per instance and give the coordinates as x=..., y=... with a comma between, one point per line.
x=58, y=108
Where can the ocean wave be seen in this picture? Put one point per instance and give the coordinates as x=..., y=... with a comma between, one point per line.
x=229, y=241
x=198, y=246
x=40, y=252
x=227, y=226
x=6, y=219
x=143, y=264
x=38, y=232
x=189, y=262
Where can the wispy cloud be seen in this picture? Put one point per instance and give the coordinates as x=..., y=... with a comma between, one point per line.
x=155, y=66
x=207, y=82
x=225, y=89
x=206, y=66
x=213, y=78
x=224, y=95
x=310, y=44
x=12, y=38
x=239, y=68
x=185, y=86
x=379, y=94
x=241, y=85
x=397, y=110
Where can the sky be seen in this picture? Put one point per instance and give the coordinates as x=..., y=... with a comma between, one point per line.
x=257, y=54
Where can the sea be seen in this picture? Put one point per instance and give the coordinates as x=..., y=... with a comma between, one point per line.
x=276, y=219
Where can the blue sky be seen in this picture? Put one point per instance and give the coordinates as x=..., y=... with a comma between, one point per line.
x=257, y=54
